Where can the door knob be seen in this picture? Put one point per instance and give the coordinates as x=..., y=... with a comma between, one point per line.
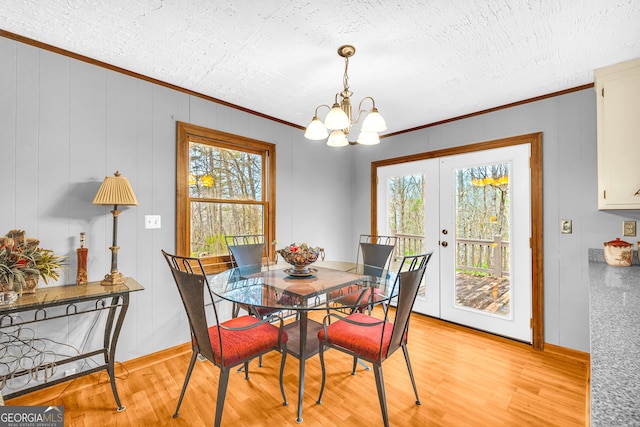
x=445, y=244
x=445, y=231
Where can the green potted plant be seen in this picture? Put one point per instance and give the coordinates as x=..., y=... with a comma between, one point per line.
x=23, y=263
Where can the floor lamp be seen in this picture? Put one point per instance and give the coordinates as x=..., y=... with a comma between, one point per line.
x=115, y=190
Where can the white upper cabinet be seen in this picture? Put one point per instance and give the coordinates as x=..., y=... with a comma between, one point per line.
x=618, y=106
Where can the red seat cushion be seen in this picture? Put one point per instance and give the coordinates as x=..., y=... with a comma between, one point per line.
x=350, y=300
x=242, y=345
x=362, y=340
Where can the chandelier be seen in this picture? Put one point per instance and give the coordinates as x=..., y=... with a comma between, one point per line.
x=339, y=118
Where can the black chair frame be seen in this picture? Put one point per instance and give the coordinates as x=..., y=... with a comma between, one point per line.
x=193, y=287
x=405, y=288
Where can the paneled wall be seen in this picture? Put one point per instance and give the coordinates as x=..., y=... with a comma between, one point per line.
x=65, y=125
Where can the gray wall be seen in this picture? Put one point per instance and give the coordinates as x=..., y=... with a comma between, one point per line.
x=568, y=124
x=65, y=125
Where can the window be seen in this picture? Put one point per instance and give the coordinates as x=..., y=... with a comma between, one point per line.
x=225, y=186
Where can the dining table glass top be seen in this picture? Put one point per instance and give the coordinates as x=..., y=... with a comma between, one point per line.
x=277, y=289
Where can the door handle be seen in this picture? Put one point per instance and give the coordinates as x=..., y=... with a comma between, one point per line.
x=445, y=244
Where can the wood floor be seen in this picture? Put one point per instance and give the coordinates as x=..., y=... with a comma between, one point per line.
x=464, y=378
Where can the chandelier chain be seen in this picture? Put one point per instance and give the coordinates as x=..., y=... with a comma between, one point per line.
x=345, y=79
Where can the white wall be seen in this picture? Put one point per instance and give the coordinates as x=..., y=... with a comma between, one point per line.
x=65, y=125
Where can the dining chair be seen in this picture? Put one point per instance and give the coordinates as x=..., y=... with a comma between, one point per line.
x=246, y=254
x=374, y=257
x=375, y=340
x=225, y=344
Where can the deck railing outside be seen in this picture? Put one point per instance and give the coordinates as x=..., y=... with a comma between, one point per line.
x=475, y=256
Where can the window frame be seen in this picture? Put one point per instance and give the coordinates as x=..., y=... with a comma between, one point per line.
x=187, y=133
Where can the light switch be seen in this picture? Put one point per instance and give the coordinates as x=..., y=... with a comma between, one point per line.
x=152, y=221
x=565, y=226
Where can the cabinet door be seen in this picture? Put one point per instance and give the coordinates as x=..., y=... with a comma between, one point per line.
x=618, y=95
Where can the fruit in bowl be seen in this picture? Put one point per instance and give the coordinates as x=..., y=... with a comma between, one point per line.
x=300, y=256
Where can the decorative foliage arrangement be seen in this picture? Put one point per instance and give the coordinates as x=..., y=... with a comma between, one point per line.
x=300, y=254
x=23, y=262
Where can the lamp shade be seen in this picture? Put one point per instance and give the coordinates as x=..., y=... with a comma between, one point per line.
x=368, y=138
x=115, y=190
x=337, y=139
x=374, y=122
x=316, y=130
x=336, y=118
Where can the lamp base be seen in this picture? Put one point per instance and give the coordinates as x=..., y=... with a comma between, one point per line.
x=113, y=278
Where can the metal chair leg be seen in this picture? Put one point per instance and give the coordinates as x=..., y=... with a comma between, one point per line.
x=246, y=370
x=284, y=358
x=377, y=370
x=324, y=374
x=413, y=381
x=364, y=365
x=222, y=393
x=192, y=363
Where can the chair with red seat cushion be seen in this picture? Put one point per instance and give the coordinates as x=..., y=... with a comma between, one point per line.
x=246, y=254
x=374, y=340
x=373, y=259
x=225, y=344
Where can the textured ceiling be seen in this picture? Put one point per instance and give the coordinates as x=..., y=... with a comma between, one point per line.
x=423, y=61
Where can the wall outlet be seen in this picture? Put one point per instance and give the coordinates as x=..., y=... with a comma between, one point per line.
x=628, y=228
x=69, y=372
x=152, y=221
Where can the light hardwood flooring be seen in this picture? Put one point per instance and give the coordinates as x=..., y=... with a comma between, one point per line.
x=464, y=378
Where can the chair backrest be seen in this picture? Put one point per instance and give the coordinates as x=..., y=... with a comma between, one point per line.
x=246, y=252
x=375, y=254
x=189, y=276
x=407, y=282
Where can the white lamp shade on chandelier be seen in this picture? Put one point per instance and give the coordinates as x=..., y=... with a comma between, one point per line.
x=338, y=119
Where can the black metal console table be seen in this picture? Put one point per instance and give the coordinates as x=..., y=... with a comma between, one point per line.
x=113, y=299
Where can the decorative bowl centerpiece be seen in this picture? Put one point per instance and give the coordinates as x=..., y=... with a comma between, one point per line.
x=300, y=256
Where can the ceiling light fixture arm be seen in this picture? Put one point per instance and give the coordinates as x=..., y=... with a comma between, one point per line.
x=360, y=110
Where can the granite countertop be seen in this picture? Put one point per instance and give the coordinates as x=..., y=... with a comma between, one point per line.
x=614, y=299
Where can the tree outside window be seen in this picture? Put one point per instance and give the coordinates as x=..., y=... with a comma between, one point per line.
x=226, y=186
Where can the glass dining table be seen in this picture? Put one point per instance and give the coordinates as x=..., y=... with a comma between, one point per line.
x=277, y=290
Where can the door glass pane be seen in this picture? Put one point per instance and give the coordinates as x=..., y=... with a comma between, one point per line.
x=482, y=239
x=210, y=222
x=406, y=216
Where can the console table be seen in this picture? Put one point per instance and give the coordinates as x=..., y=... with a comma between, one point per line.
x=71, y=300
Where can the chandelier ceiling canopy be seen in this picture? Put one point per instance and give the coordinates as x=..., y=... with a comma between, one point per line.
x=339, y=119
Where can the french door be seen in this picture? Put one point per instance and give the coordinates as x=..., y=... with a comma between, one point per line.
x=474, y=211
